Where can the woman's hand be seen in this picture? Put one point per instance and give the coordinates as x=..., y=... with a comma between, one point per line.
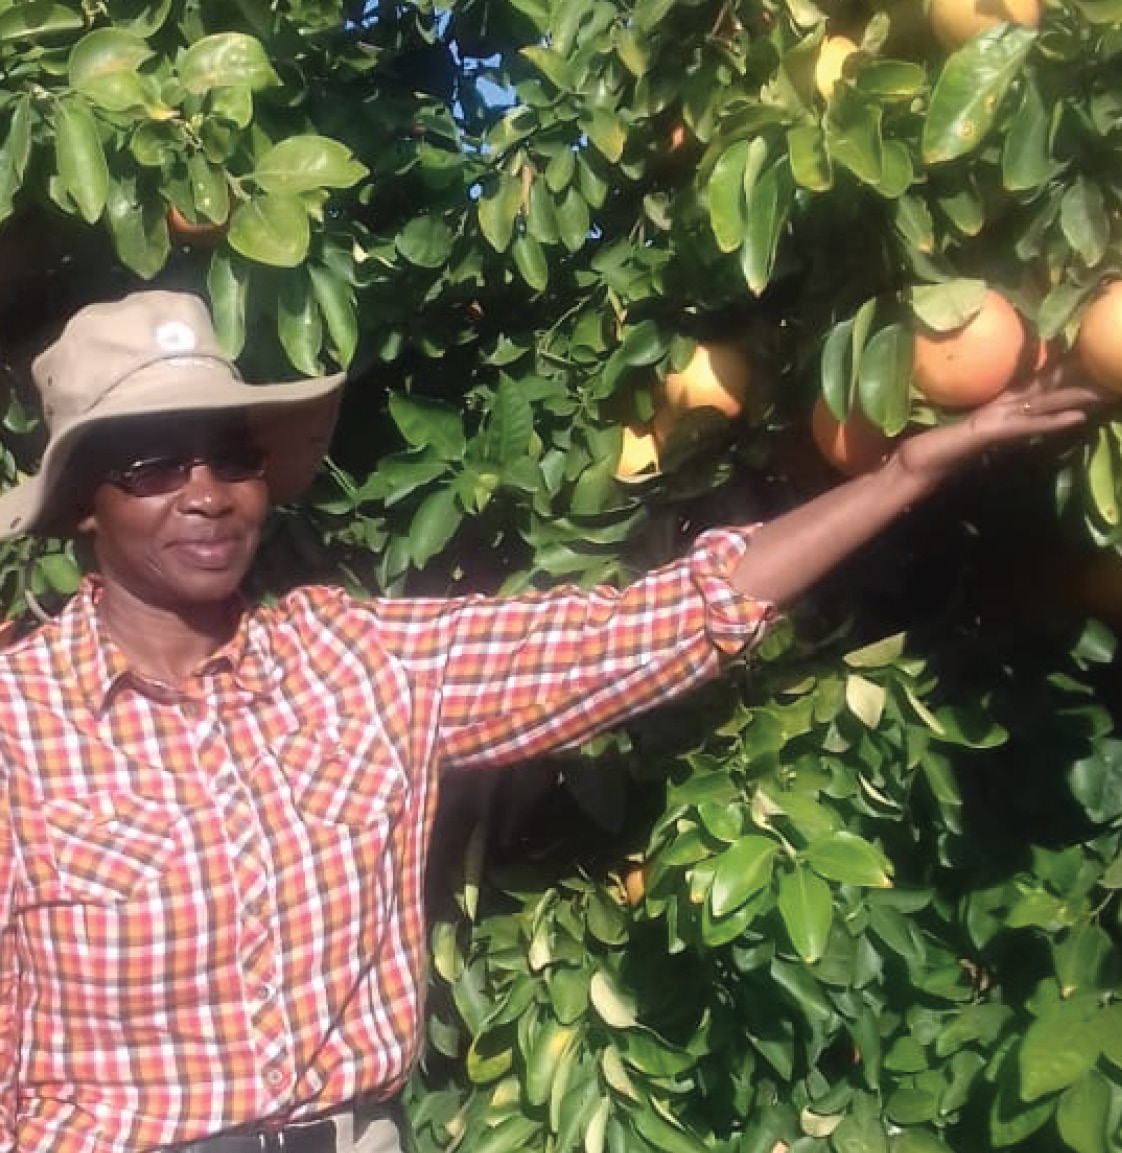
x=1048, y=404
x=790, y=553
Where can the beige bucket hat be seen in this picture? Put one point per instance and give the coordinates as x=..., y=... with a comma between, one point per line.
x=156, y=353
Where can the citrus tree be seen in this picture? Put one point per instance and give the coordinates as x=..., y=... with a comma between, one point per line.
x=603, y=274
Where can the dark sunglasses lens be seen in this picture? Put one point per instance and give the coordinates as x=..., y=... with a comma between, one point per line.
x=165, y=474
x=154, y=477
x=237, y=465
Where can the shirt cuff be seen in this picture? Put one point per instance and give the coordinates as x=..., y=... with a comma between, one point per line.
x=733, y=620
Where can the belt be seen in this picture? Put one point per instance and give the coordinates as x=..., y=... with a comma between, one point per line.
x=318, y=1135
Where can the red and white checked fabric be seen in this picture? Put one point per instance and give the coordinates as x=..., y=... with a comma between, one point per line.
x=211, y=896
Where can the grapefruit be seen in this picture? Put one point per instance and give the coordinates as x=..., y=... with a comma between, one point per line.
x=832, y=55
x=193, y=234
x=638, y=457
x=635, y=883
x=717, y=376
x=967, y=366
x=1099, y=342
x=956, y=21
x=852, y=446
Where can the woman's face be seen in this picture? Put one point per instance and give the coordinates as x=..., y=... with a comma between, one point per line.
x=176, y=508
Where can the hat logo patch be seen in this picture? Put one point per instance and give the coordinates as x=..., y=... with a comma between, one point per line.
x=175, y=336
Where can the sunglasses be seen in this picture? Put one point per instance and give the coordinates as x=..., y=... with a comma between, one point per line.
x=161, y=475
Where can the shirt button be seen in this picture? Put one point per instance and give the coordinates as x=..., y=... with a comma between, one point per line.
x=274, y=1077
x=266, y=993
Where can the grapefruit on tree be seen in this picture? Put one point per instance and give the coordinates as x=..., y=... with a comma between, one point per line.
x=717, y=376
x=831, y=60
x=1099, y=341
x=956, y=21
x=969, y=365
x=853, y=445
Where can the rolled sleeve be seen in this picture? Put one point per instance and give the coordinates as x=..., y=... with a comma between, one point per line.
x=733, y=621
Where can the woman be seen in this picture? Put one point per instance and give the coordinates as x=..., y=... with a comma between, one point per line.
x=215, y=814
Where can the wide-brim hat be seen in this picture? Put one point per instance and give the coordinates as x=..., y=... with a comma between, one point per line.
x=156, y=353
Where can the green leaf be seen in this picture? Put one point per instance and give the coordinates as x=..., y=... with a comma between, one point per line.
x=271, y=229
x=853, y=136
x=918, y=1141
x=969, y=91
x=60, y=571
x=433, y=526
x=912, y=219
x=876, y=655
x=304, y=163
x=861, y=1131
x=497, y=210
x=613, y=1005
x=104, y=67
x=430, y=424
x=551, y=1044
x=425, y=241
x=227, y=285
x=1025, y=163
x=846, y=857
x=742, y=869
x=1096, y=781
x=209, y=189
x=106, y=50
x=299, y=325
x=664, y=1136
x=1081, y=958
x=727, y=215
x=837, y=376
x=336, y=299
x=138, y=228
x=573, y=220
x=1011, y=1119
x=607, y=133
x=1083, y=1114
x=529, y=258
x=810, y=159
x=541, y=217
x=1058, y=1049
x=510, y=424
x=898, y=79
x=769, y=204
x=865, y=699
x=513, y=1134
x=32, y=19
x=1101, y=486
x=80, y=156
x=14, y=155
x=949, y=305
x=225, y=59
x=643, y=344
x=807, y=908
x=1085, y=221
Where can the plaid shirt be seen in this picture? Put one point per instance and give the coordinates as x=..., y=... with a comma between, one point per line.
x=211, y=896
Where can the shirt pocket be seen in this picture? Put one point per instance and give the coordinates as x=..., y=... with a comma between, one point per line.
x=344, y=778
x=109, y=846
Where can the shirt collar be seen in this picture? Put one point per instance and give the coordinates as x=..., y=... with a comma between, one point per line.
x=99, y=665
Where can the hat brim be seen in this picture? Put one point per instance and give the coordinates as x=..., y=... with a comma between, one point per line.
x=292, y=421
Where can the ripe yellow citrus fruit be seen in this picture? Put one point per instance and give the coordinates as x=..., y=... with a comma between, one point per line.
x=956, y=21
x=1099, y=343
x=638, y=457
x=969, y=365
x=717, y=376
x=852, y=446
x=832, y=55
